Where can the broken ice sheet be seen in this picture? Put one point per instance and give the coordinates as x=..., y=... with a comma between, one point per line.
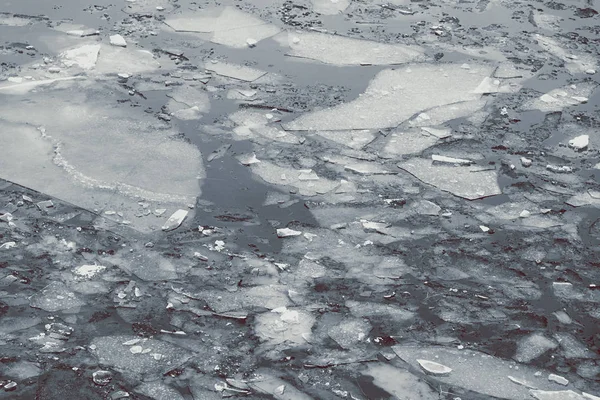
x=477, y=372
x=399, y=382
x=256, y=126
x=306, y=181
x=55, y=297
x=395, y=95
x=240, y=72
x=290, y=325
x=356, y=139
x=84, y=149
x=405, y=142
x=340, y=50
x=112, y=351
x=228, y=26
x=469, y=182
x=557, y=99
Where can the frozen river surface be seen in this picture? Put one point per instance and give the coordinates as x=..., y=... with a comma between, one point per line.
x=309, y=199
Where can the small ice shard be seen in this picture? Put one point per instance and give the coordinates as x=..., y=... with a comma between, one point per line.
x=175, y=220
x=526, y=162
x=525, y=214
x=558, y=379
x=556, y=395
x=521, y=382
x=8, y=245
x=580, y=142
x=118, y=40
x=484, y=228
x=559, y=169
x=84, y=56
x=286, y=232
x=251, y=42
x=450, y=160
x=434, y=368
x=137, y=349
x=375, y=226
x=248, y=159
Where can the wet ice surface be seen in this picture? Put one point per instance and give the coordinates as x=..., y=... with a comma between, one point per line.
x=321, y=199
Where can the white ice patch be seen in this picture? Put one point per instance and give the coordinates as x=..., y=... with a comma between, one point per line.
x=330, y=7
x=88, y=271
x=96, y=154
x=228, y=26
x=240, y=72
x=469, y=182
x=340, y=50
x=84, y=57
x=394, y=96
x=307, y=182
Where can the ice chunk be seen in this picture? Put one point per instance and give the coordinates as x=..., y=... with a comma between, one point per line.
x=580, y=142
x=470, y=182
x=532, y=347
x=228, y=26
x=558, y=379
x=475, y=371
x=271, y=327
x=286, y=232
x=433, y=368
x=394, y=96
x=330, y=7
x=111, y=351
x=55, y=297
x=84, y=57
x=556, y=395
x=88, y=271
x=118, y=40
x=158, y=391
x=269, y=384
x=399, y=382
x=450, y=160
x=113, y=59
x=572, y=348
x=239, y=72
x=340, y=50
x=304, y=181
x=175, y=220
x=350, y=332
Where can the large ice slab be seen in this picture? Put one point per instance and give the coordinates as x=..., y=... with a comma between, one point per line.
x=395, y=95
x=340, y=50
x=228, y=26
x=469, y=182
x=90, y=151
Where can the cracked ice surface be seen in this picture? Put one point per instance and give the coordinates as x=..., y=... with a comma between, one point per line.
x=394, y=96
x=81, y=152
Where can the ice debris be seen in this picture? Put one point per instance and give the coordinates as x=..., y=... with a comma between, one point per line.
x=433, y=368
x=580, y=142
x=118, y=40
x=175, y=220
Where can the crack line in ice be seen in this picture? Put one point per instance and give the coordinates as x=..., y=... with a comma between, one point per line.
x=123, y=188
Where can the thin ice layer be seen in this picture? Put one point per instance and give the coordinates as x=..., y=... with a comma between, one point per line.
x=330, y=7
x=394, y=96
x=557, y=99
x=340, y=50
x=469, y=182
